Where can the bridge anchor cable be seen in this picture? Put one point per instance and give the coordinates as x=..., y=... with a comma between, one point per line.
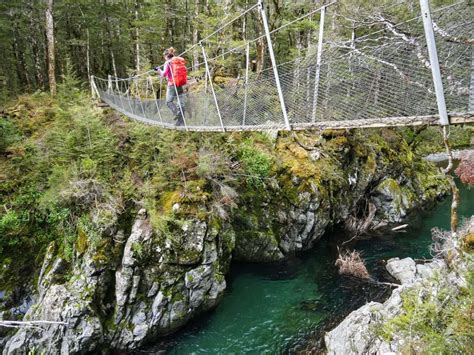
x=208, y=74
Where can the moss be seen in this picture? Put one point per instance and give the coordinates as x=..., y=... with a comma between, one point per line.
x=81, y=241
x=392, y=185
x=333, y=133
x=469, y=240
x=430, y=140
x=169, y=199
x=102, y=255
x=219, y=277
x=431, y=182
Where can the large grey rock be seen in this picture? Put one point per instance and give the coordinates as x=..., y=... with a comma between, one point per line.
x=403, y=270
x=167, y=280
x=71, y=304
x=353, y=335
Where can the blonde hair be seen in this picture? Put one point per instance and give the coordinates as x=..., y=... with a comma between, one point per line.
x=170, y=52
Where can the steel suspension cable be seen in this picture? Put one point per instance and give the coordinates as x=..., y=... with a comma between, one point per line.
x=242, y=46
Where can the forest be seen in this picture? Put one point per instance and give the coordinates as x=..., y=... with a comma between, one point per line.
x=39, y=38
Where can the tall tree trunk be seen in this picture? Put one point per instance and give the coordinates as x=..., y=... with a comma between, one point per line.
x=35, y=48
x=196, y=36
x=187, y=27
x=88, y=53
x=137, y=38
x=169, y=23
x=114, y=67
x=22, y=71
x=471, y=89
x=109, y=43
x=50, y=47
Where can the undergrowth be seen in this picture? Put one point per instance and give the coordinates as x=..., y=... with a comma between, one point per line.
x=71, y=175
x=437, y=317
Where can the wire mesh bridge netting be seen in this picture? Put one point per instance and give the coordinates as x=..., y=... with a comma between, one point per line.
x=385, y=74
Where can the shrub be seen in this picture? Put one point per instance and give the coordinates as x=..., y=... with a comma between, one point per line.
x=435, y=321
x=352, y=264
x=465, y=170
x=257, y=164
x=8, y=134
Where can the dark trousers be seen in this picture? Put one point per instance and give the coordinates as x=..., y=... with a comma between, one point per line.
x=172, y=93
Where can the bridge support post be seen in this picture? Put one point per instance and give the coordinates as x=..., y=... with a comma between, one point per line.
x=128, y=96
x=109, y=84
x=318, y=62
x=139, y=98
x=247, y=66
x=435, y=70
x=156, y=99
x=119, y=92
x=208, y=74
x=95, y=91
x=274, y=64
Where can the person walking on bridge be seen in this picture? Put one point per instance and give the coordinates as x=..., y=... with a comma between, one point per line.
x=174, y=70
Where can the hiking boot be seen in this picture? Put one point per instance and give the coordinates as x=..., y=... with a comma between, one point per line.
x=179, y=119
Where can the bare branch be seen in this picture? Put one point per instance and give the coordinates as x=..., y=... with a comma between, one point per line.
x=28, y=324
x=451, y=38
x=384, y=62
x=408, y=38
x=352, y=264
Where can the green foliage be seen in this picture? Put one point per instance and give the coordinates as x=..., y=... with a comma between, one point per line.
x=11, y=224
x=435, y=321
x=256, y=163
x=137, y=249
x=69, y=89
x=64, y=144
x=430, y=140
x=8, y=134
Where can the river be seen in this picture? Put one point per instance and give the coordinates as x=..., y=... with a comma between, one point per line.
x=270, y=308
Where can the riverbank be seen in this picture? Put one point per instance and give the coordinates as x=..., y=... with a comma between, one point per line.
x=136, y=227
x=430, y=312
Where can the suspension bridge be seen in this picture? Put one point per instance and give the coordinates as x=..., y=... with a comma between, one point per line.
x=417, y=72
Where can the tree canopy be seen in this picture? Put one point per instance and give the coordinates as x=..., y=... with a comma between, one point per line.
x=113, y=37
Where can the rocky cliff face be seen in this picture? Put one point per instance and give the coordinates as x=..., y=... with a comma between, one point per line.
x=120, y=301
x=131, y=287
x=362, y=185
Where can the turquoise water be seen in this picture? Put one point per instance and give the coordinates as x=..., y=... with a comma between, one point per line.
x=270, y=308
